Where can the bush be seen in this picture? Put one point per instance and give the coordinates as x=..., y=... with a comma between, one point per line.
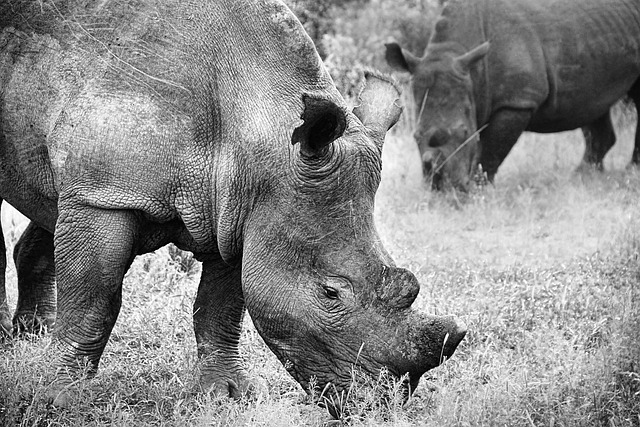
x=360, y=32
x=316, y=17
x=351, y=34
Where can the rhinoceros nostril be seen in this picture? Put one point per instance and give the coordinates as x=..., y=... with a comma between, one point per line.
x=439, y=138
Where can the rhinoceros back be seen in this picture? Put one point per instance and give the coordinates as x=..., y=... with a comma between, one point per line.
x=123, y=97
x=173, y=50
x=551, y=53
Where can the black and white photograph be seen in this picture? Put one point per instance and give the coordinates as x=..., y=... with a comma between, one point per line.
x=320, y=213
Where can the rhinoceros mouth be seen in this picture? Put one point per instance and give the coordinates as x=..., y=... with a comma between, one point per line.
x=366, y=389
x=437, y=181
x=432, y=168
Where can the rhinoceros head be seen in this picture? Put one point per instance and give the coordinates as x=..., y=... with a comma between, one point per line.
x=446, y=127
x=321, y=289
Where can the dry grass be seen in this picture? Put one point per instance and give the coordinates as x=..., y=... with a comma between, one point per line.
x=543, y=267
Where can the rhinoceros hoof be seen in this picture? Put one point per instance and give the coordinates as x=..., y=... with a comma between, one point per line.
x=237, y=386
x=586, y=168
x=59, y=396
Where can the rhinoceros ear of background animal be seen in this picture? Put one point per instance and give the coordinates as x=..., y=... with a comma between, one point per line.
x=378, y=109
x=324, y=122
x=466, y=61
x=400, y=59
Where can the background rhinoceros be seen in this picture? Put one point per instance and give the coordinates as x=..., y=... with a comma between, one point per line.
x=129, y=125
x=500, y=67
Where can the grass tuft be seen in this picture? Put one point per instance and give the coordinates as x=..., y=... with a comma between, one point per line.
x=367, y=399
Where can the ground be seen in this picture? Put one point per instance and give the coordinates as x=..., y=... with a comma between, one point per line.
x=542, y=266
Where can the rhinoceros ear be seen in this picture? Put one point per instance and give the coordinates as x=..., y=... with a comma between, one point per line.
x=466, y=61
x=400, y=59
x=324, y=122
x=378, y=109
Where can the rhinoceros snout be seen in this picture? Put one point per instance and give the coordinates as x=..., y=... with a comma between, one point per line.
x=431, y=340
x=430, y=159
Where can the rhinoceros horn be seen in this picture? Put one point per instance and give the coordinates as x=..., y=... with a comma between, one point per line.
x=465, y=62
x=324, y=122
x=398, y=288
x=378, y=109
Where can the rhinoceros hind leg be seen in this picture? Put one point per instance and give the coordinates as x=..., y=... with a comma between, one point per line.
x=599, y=137
x=217, y=319
x=33, y=256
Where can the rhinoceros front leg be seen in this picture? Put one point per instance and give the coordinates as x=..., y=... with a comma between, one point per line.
x=634, y=93
x=93, y=250
x=5, y=314
x=503, y=131
x=217, y=319
x=33, y=257
x=599, y=137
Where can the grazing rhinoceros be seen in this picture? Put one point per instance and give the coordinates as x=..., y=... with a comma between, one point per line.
x=505, y=66
x=212, y=125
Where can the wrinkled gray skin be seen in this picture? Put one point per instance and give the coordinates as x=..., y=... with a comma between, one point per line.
x=124, y=129
x=36, y=306
x=516, y=65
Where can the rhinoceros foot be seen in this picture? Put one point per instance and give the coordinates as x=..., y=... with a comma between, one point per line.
x=235, y=384
x=60, y=395
x=59, y=398
x=586, y=168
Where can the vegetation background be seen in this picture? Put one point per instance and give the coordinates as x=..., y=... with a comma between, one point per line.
x=542, y=266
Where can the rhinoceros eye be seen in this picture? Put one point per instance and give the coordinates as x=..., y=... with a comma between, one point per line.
x=330, y=292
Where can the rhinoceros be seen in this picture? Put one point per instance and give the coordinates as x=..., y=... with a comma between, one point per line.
x=214, y=125
x=500, y=67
